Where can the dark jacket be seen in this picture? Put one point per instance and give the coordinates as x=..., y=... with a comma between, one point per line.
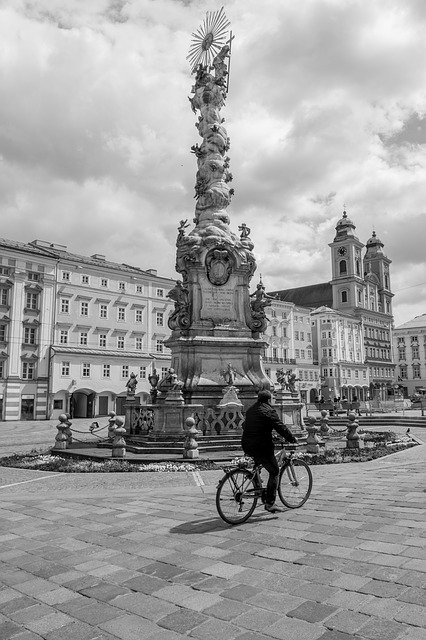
x=261, y=419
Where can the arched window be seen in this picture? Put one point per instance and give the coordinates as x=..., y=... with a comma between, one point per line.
x=344, y=296
x=342, y=267
x=386, y=282
x=358, y=271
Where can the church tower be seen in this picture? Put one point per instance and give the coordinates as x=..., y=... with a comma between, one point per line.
x=347, y=281
x=376, y=271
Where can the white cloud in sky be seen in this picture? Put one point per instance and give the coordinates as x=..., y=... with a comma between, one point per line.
x=327, y=106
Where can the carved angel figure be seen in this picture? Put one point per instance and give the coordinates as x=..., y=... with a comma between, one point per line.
x=229, y=375
x=180, y=317
x=131, y=384
x=260, y=298
x=245, y=230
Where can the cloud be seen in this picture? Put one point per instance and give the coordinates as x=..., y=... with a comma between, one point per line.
x=325, y=104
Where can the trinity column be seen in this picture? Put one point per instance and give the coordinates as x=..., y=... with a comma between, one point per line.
x=216, y=323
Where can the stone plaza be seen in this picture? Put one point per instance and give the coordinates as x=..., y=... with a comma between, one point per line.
x=131, y=556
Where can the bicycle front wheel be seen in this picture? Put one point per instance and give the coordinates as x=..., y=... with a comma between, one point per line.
x=295, y=483
x=236, y=497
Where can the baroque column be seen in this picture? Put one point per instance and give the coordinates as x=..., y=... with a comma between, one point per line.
x=216, y=323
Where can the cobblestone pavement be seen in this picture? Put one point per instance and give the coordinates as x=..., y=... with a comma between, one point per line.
x=107, y=557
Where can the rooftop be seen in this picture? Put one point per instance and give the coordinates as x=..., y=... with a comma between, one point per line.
x=312, y=296
x=56, y=251
x=419, y=322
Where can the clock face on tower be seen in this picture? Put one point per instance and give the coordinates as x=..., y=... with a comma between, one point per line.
x=342, y=251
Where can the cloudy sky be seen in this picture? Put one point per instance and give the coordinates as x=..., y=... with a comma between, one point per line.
x=327, y=106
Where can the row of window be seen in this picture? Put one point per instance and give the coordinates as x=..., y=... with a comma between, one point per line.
x=372, y=352
x=302, y=319
x=345, y=373
x=298, y=353
x=302, y=353
x=105, y=283
x=308, y=375
x=376, y=334
x=27, y=371
x=103, y=312
x=31, y=299
x=34, y=276
x=29, y=337
x=300, y=335
x=413, y=339
x=86, y=370
x=381, y=372
x=403, y=370
x=415, y=352
x=83, y=338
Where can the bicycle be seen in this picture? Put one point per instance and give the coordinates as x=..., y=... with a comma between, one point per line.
x=240, y=489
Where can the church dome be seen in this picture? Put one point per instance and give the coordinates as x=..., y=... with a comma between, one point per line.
x=345, y=227
x=374, y=244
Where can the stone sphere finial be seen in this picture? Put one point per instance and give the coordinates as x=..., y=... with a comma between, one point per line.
x=190, y=422
x=311, y=420
x=63, y=417
x=351, y=416
x=119, y=422
x=323, y=413
x=112, y=414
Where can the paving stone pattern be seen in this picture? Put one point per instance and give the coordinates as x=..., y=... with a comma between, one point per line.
x=158, y=564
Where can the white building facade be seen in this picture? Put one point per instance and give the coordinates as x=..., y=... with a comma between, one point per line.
x=74, y=328
x=410, y=353
x=289, y=339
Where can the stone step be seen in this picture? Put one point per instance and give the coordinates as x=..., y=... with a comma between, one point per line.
x=178, y=450
x=379, y=421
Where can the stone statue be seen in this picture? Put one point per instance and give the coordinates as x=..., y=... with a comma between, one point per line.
x=260, y=298
x=287, y=379
x=153, y=380
x=180, y=318
x=291, y=381
x=131, y=385
x=282, y=378
x=219, y=65
x=245, y=230
x=170, y=381
x=183, y=224
x=229, y=375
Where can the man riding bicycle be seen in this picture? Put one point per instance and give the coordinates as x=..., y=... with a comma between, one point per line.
x=260, y=420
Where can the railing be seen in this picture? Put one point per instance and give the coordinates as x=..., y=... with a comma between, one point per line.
x=270, y=360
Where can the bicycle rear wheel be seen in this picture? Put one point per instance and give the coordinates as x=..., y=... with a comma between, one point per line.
x=295, y=483
x=236, y=497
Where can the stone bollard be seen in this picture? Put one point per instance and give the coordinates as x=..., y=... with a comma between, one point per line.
x=324, y=426
x=68, y=431
x=190, y=445
x=312, y=442
x=353, y=439
x=111, y=425
x=119, y=443
x=61, y=439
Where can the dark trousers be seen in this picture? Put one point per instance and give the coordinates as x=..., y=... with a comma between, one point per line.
x=269, y=462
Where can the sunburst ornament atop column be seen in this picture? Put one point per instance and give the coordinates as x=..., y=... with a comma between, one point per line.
x=208, y=39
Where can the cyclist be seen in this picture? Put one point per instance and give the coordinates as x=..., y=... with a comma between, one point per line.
x=260, y=420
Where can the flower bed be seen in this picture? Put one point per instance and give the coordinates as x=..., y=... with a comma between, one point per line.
x=51, y=462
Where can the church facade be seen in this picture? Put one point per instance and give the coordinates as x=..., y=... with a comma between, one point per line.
x=351, y=317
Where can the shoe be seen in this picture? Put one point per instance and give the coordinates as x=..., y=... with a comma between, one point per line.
x=272, y=508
